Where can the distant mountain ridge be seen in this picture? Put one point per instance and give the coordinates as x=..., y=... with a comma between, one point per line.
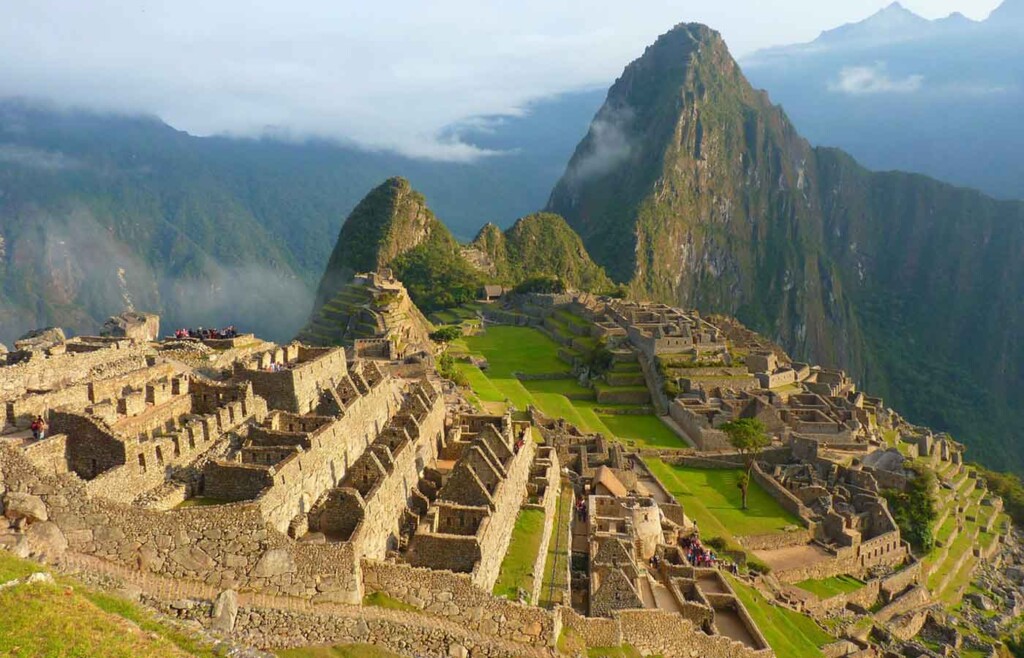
x=100, y=211
x=694, y=189
x=939, y=97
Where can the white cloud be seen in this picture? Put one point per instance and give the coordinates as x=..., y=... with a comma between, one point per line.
x=384, y=75
x=875, y=79
x=607, y=144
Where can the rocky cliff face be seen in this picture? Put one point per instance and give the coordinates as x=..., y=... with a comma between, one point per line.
x=693, y=188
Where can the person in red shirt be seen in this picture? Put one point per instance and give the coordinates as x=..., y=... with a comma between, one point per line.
x=38, y=428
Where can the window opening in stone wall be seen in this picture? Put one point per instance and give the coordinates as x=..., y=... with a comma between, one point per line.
x=142, y=462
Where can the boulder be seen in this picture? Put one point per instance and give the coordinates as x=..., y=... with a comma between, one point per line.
x=275, y=562
x=225, y=611
x=193, y=558
x=24, y=506
x=980, y=601
x=40, y=339
x=46, y=540
x=142, y=327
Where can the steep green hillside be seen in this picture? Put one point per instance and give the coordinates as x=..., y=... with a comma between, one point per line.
x=538, y=244
x=393, y=227
x=697, y=191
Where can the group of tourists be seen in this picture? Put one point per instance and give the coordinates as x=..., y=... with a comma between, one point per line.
x=207, y=334
x=697, y=554
x=581, y=509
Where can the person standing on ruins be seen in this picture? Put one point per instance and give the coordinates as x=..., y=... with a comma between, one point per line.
x=38, y=428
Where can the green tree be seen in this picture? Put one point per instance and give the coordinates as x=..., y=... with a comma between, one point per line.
x=599, y=359
x=446, y=334
x=447, y=369
x=543, y=283
x=914, y=509
x=749, y=437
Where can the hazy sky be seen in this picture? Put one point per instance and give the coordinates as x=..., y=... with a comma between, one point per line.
x=383, y=74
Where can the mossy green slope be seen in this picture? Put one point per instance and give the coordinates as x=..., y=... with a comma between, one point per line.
x=693, y=188
x=393, y=227
x=390, y=221
x=540, y=244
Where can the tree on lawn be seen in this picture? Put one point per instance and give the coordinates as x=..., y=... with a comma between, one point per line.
x=446, y=334
x=749, y=437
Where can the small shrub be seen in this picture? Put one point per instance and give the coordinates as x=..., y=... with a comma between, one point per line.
x=717, y=543
x=447, y=369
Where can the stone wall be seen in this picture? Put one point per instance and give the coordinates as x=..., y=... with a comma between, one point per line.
x=455, y=597
x=777, y=540
x=402, y=633
x=94, y=448
x=300, y=481
x=296, y=388
x=697, y=428
x=914, y=598
x=782, y=496
x=23, y=410
x=552, y=482
x=146, y=463
x=497, y=528
x=66, y=370
x=665, y=633
x=623, y=396
x=593, y=631
x=895, y=583
x=385, y=504
x=863, y=598
x=49, y=455
x=222, y=546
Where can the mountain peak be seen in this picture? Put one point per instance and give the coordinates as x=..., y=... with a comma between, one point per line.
x=894, y=21
x=1010, y=14
x=392, y=219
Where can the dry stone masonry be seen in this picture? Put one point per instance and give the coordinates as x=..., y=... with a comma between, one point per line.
x=298, y=494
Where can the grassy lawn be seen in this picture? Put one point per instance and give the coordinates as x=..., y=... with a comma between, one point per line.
x=338, y=651
x=511, y=350
x=828, y=587
x=556, y=568
x=644, y=431
x=480, y=384
x=68, y=619
x=517, y=567
x=516, y=349
x=712, y=499
x=789, y=633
